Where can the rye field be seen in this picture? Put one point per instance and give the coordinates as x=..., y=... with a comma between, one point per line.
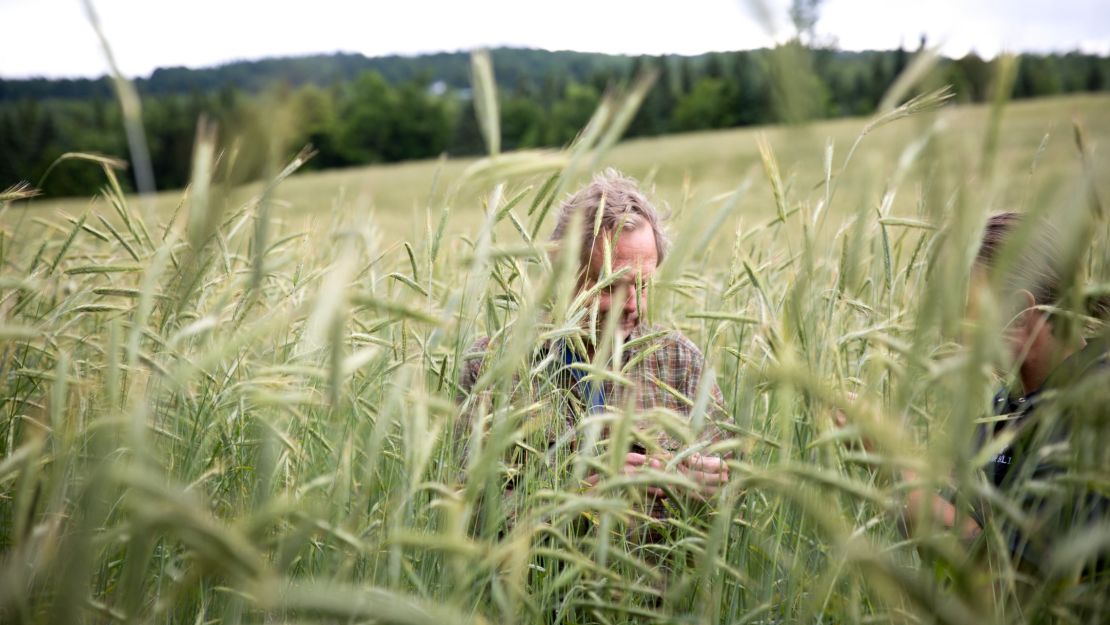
x=240, y=405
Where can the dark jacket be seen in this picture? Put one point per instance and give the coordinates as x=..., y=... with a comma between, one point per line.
x=1052, y=467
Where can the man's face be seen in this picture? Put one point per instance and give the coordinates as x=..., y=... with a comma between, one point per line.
x=1026, y=334
x=981, y=300
x=632, y=249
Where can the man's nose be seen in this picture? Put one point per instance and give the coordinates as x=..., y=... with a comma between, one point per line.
x=631, y=302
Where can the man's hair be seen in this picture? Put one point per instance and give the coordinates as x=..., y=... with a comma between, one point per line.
x=625, y=207
x=1035, y=267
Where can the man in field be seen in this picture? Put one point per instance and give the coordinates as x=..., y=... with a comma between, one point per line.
x=660, y=371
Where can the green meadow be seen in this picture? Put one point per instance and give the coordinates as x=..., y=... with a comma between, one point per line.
x=239, y=404
x=690, y=170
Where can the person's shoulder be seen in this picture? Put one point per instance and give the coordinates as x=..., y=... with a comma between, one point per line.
x=673, y=339
x=682, y=342
x=475, y=354
x=479, y=347
x=471, y=366
x=670, y=342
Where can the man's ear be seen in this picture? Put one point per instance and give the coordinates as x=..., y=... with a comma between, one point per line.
x=1026, y=297
x=1029, y=316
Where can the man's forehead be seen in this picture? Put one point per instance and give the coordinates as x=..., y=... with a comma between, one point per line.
x=632, y=249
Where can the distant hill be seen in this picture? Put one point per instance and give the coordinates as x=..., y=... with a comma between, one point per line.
x=356, y=110
x=513, y=66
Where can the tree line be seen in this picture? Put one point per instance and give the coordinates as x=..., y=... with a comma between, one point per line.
x=356, y=111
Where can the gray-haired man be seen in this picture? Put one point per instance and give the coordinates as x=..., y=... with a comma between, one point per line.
x=666, y=370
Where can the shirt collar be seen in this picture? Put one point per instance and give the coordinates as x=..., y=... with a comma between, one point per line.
x=1095, y=354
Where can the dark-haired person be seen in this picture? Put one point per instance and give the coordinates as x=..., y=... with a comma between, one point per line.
x=1050, y=453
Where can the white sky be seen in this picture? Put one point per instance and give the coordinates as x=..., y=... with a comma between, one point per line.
x=53, y=37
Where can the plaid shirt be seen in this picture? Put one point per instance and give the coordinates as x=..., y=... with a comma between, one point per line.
x=663, y=371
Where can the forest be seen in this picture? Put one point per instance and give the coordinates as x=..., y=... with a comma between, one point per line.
x=356, y=110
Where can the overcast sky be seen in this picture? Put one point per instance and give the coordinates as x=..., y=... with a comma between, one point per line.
x=53, y=37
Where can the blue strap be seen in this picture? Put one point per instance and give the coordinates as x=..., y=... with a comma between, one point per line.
x=595, y=393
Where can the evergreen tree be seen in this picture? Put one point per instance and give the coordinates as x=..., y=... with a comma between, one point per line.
x=976, y=76
x=706, y=106
x=901, y=60
x=571, y=113
x=658, y=105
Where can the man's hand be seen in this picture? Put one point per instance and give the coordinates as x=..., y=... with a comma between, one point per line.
x=840, y=420
x=921, y=505
x=633, y=464
x=710, y=473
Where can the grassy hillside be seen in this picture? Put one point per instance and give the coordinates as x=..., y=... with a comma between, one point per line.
x=688, y=170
